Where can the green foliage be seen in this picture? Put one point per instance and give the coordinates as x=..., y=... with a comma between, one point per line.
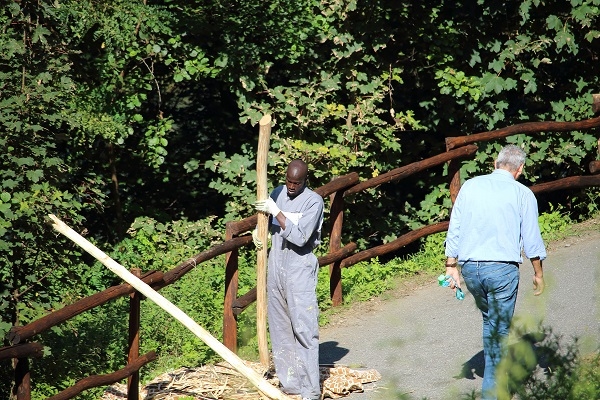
x=457, y=82
x=35, y=178
x=153, y=245
x=137, y=50
x=109, y=111
x=435, y=207
x=368, y=279
x=566, y=374
x=95, y=342
x=554, y=224
x=587, y=378
x=200, y=295
x=89, y=344
x=371, y=278
x=237, y=181
x=344, y=116
x=337, y=115
x=588, y=204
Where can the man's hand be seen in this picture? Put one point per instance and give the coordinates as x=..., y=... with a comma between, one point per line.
x=267, y=206
x=451, y=264
x=257, y=242
x=538, y=276
x=453, y=272
x=538, y=285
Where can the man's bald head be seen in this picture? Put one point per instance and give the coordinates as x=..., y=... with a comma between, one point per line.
x=298, y=169
x=295, y=177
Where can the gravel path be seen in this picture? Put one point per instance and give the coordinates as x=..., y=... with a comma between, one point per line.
x=427, y=344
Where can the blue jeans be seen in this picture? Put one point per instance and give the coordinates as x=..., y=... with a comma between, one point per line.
x=494, y=287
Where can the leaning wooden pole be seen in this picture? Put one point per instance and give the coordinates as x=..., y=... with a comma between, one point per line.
x=261, y=384
x=262, y=227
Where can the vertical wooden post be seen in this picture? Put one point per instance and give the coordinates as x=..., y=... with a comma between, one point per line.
x=336, y=215
x=454, y=174
x=22, y=389
x=231, y=290
x=595, y=164
x=262, y=227
x=133, y=381
x=596, y=103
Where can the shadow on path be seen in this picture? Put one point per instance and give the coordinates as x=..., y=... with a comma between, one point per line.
x=472, y=367
x=330, y=352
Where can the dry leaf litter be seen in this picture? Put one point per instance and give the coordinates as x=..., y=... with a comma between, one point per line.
x=222, y=381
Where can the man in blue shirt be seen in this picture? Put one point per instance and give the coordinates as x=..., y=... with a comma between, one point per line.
x=493, y=219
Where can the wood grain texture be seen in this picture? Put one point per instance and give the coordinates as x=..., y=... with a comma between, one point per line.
x=262, y=226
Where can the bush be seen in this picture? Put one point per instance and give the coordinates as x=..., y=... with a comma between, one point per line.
x=541, y=366
x=555, y=224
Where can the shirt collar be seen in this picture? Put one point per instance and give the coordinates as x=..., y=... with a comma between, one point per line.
x=504, y=173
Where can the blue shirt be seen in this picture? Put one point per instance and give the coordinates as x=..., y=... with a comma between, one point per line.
x=494, y=218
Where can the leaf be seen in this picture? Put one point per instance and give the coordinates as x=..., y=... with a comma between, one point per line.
x=25, y=161
x=510, y=84
x=591, y=35
x=554, y=23
x=565, y=38
x=497, y=65
x=5, y=209
x=39, y=34
x=475, y=59
x=530, y=87
x=35, y=175
x=582, y=14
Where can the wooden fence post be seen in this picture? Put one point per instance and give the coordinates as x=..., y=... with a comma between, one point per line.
x=133, y=382
x=231, y=290
x=595, y=164
x=336, y=215
x=262, y=227
x=22, y=388
x=454, y=174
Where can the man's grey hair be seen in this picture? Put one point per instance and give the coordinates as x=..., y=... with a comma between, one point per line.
x=510, y=157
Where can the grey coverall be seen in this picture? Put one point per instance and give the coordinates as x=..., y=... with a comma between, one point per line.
x=292, y=307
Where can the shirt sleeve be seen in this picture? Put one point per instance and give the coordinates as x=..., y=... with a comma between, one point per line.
x=309, y=223
x=533, y=244
x=451, y=241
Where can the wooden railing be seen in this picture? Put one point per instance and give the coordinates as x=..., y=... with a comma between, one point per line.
x=338, y=257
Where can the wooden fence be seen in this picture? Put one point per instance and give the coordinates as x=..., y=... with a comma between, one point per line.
x=338, y=257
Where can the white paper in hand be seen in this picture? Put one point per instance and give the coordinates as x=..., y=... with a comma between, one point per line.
x=294, y=217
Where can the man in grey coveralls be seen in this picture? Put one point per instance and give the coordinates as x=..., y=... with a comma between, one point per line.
x=295, y=225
